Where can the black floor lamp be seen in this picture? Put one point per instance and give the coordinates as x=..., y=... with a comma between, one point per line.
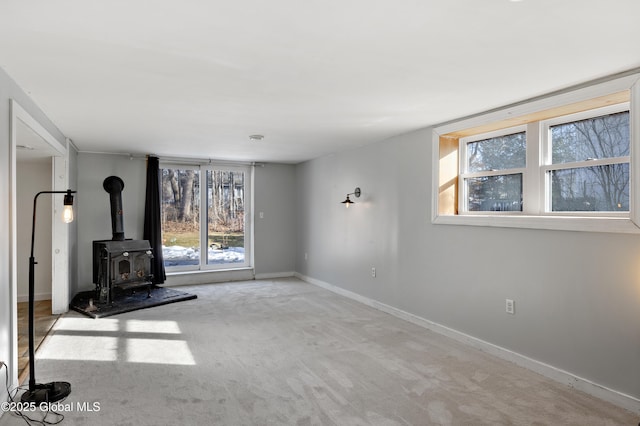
x=54, y=391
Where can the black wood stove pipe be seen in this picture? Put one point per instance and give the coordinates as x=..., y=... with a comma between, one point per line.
x=114, y=186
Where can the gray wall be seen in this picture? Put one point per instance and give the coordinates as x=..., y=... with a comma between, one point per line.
x=274, y=234
x=33, y=176
x=94, y=211
x=577, y=293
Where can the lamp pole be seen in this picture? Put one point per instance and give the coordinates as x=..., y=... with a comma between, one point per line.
x=54, y=391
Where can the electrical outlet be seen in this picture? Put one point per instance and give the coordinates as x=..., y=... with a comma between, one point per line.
x=510, y=306
x=306, y=256
x=373, y=272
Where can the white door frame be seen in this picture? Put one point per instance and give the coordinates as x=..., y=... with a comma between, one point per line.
x=60, y=231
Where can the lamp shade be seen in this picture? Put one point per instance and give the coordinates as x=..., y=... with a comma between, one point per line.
x=348, y=201
x=67, y=213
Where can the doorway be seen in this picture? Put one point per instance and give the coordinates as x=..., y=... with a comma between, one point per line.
x=39, y=163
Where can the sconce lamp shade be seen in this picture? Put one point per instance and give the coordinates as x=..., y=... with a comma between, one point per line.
x=348, y=201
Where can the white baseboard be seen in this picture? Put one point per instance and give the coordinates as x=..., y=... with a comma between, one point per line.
x=615, y=397
x=36, y=297
x=175, y=279
x=274, y=275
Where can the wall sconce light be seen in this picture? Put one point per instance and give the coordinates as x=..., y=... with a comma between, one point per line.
x=348, y=202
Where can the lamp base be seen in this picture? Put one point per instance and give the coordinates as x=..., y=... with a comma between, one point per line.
x=48, y=392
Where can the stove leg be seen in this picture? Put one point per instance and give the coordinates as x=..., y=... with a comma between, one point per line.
x=150, y=281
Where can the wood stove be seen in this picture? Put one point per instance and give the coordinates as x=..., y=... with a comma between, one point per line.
x=120, y=263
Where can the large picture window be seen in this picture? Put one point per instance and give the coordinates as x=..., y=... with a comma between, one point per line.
x=225, y=217
x=180, y=217
x=204, y=212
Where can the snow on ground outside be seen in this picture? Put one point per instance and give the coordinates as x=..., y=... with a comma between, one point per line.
x=178, y=255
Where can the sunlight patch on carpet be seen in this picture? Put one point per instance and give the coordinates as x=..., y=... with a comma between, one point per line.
x=159, y=351
x=81, y=348
x=135, y=341
x=87, y=324
x=140, y=326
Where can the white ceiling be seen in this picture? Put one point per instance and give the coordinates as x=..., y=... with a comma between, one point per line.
x=195, y=78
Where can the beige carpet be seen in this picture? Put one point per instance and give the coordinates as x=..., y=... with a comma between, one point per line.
x=286, y=352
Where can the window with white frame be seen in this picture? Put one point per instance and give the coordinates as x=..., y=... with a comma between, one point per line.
x=205, y=212
x=493, y=170
x=563, y=162
x=586, y=163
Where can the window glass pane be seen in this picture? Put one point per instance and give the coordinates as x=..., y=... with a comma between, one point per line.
x=180, y=217
x=599, y=189
x=225, y=217
x=499, y=153
x=495, y=193
x=606, y=136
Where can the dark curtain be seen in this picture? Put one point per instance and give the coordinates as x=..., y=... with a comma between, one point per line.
x=152, y=219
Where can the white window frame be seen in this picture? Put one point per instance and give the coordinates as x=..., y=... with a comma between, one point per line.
x=547, y=166
x=247, y=170
x=463, y=198
x=248, y=219
x=533, y=215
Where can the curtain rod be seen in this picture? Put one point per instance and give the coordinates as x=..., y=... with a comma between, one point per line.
x=179, y=160
x=201, y=161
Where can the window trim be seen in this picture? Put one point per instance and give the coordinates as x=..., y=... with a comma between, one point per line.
x=531, y=216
